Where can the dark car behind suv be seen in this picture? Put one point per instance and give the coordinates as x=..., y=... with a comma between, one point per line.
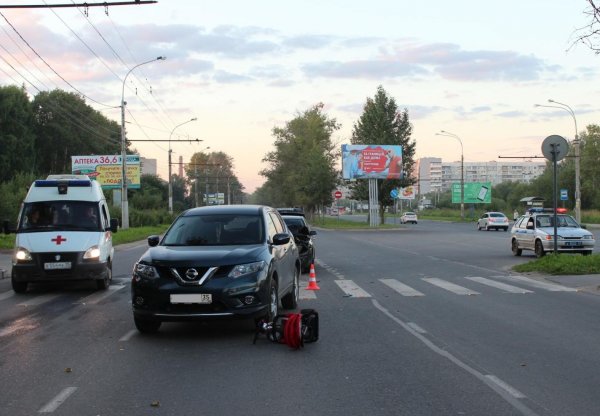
x=296, y=222
x=217, y=262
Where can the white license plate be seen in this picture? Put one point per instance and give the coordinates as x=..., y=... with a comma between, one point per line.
x=574, y=243
x=57, y=265
x=203, y=298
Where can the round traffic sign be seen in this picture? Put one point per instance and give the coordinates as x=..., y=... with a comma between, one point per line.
x=337, y=194
x=555, y=147
x=394, y=193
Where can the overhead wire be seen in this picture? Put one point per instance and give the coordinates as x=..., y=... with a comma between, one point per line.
x=47, y=64
x=100, y=126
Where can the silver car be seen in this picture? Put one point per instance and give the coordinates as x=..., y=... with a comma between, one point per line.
x=495, y=220
x=536, y=232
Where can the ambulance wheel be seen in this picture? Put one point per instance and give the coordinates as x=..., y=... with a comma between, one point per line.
x=18, y=287
x=105, y=282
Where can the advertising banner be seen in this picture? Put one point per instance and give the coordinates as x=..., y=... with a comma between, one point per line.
x=371, y=161
x=407, y=193
x=475, y=193
x=106, y=169
x=215, y=198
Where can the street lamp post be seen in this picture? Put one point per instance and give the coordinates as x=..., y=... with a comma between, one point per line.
x=124, y=201
x=576, y=144
x=170, y=176
x=196, y=176
x=462, y=171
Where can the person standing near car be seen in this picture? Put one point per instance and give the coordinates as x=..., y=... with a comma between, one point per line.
x=515, y=215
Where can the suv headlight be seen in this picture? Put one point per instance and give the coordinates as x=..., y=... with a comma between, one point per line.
x=146, y=271
x=93, y=253
x=243, y=269
x=22, y=255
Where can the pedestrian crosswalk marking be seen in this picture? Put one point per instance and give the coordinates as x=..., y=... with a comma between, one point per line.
x=352, y=289
x=459, y=290
x=307, y=294
x=95, y=298
x=541, y=285
x=38, y=300
x=401, y=288
x=498, y=285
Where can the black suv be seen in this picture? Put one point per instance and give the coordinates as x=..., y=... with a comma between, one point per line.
x=217, y=262
x=296, y=222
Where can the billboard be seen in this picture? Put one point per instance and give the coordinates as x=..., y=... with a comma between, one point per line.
x=360, y=161
x=475, y=193
x=407, y=192
x=106, y=169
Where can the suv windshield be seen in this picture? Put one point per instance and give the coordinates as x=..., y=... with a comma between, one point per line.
x=62, y=215
x=215, y=230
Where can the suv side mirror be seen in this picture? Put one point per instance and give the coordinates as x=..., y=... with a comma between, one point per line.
x=114, y=225
x=153, y=240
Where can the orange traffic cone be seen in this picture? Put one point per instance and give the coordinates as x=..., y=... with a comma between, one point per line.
x=312, y=279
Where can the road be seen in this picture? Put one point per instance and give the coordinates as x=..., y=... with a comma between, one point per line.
x=425, y=320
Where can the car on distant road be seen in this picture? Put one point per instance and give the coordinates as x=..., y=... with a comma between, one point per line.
x=303, y=235
x=495, y=220
x=408, y=217
x=215, y=262
x=535, y=232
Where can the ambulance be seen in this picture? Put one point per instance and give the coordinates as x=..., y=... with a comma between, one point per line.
x=64, y=233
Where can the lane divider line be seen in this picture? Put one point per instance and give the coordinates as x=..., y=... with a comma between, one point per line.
x=53, y=404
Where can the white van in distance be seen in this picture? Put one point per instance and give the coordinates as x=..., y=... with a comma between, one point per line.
x=64, y=233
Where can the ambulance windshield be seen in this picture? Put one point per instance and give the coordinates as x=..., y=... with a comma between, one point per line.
x=63, y=215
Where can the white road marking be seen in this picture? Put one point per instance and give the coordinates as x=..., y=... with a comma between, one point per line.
x=38, y=300
x=307, y=294
x=128, y=335
x=352, y=289
x=459, y=290
x=58, y=400
x=552, y=287
x=7, y=295
x=509, y=389
x=401, y=288
x=94, y=298
x=416, y=327
x=501, y=391
x=498, y=285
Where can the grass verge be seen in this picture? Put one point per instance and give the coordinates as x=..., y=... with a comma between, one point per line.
x=123, y=236
x=560, y=264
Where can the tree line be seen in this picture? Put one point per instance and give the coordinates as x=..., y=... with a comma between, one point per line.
x=38, y=136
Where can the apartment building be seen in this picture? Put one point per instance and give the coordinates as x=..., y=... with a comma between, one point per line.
x=432, y=174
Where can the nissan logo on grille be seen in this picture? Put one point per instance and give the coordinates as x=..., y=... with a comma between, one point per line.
x=191, y=274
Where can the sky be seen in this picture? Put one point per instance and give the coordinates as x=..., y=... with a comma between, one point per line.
x=469, y=67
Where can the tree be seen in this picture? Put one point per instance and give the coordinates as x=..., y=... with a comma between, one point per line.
x=212, y=173
x=382, y=123
x=589, y=34
x=16, y=133
x=301, y=170
x=65, y=126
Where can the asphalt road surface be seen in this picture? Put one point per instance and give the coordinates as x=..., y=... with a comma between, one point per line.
x=425, y=320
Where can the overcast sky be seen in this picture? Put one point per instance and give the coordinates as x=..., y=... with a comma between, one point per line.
x=470, y=67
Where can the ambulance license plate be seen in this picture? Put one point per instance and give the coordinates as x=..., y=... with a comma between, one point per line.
x=60, y=265
x=203, y=298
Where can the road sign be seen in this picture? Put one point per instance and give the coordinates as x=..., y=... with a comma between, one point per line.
x=394, y=193
x=337, y=194
x=555, y=146
x=564, y=196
